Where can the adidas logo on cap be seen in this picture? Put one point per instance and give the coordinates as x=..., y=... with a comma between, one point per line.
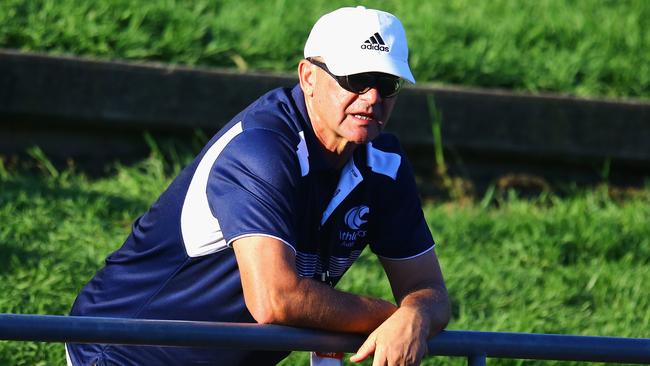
x=375, y=42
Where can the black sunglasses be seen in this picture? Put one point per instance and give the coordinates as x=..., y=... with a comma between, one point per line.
x=387, y=86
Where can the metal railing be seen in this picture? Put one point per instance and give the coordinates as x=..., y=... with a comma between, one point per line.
x=476, y=346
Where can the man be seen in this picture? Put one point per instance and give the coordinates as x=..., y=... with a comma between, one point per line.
x=277, y=207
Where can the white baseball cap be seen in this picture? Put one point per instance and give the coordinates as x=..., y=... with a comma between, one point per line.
x=357, y=40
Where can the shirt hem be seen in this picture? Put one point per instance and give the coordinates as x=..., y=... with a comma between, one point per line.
x=411, y=257
x=229, y=242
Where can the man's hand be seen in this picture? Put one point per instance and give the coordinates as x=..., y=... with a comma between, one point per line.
x=400, y=340
x=423, y=311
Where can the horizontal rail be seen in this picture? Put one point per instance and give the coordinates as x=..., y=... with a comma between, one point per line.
x=472, y=344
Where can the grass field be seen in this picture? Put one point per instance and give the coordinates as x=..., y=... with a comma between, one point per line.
x=581, y=47
x=572, y=265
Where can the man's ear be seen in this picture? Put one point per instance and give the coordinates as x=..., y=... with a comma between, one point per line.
x=307, y=77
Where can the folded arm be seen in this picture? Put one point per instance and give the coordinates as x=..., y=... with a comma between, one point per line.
x=275, y=294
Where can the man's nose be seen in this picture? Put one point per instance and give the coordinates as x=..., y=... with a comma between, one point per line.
x=372, y=96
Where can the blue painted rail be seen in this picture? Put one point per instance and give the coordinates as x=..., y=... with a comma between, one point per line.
x=476, y=346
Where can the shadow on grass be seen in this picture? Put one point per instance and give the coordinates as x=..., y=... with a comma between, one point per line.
x=12, y=254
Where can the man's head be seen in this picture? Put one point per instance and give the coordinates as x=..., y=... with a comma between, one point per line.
x=359, y=40
x=355, y=60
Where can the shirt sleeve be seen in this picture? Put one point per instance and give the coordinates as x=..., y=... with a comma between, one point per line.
x=401, y=231
x=252, y=184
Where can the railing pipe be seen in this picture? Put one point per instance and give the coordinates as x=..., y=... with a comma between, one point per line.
x=476, y=360
x=472, y=344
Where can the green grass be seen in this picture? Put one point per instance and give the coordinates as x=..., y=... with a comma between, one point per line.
x=572, y=265
x=581, y=47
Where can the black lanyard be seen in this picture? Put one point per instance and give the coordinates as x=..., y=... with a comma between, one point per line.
x=324, y=256
x=323, y=241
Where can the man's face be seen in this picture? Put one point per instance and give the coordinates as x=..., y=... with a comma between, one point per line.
x=341, y=117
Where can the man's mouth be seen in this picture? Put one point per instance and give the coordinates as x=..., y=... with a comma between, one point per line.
x=364, y=117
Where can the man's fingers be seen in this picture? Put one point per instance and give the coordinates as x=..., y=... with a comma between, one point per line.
x=379, y=359
x=366, y=349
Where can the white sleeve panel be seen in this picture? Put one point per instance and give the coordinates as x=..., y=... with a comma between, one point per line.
x=200, y=229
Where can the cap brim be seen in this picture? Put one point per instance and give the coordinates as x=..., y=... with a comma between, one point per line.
x=369, y=63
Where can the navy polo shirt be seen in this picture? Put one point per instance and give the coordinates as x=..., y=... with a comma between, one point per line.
x=265, y=174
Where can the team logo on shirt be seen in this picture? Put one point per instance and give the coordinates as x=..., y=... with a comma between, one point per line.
x=354, y=219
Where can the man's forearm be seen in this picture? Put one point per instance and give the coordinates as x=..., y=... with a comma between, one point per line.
x=316, y=305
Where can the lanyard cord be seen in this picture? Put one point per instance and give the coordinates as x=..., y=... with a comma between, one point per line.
x=324, y=254
x=324, y=245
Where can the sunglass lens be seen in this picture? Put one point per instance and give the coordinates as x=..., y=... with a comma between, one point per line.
x=360, y=83
x=387, y=86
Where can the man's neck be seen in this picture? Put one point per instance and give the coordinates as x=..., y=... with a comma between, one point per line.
x=336, y=151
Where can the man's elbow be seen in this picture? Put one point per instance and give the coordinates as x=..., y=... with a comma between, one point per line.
x=263, y=314
x=443, y=313
x=272, y=307
x=445, y=317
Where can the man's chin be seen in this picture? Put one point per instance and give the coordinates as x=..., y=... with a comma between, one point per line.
x=362, y=141
x=363, y=138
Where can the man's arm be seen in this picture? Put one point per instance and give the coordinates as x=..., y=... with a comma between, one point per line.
x=275, y=293
x=424, y=310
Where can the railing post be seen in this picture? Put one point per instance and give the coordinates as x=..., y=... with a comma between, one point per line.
x=476, y=360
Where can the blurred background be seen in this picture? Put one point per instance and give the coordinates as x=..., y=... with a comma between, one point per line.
x=585, y=48
x=528, y=130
